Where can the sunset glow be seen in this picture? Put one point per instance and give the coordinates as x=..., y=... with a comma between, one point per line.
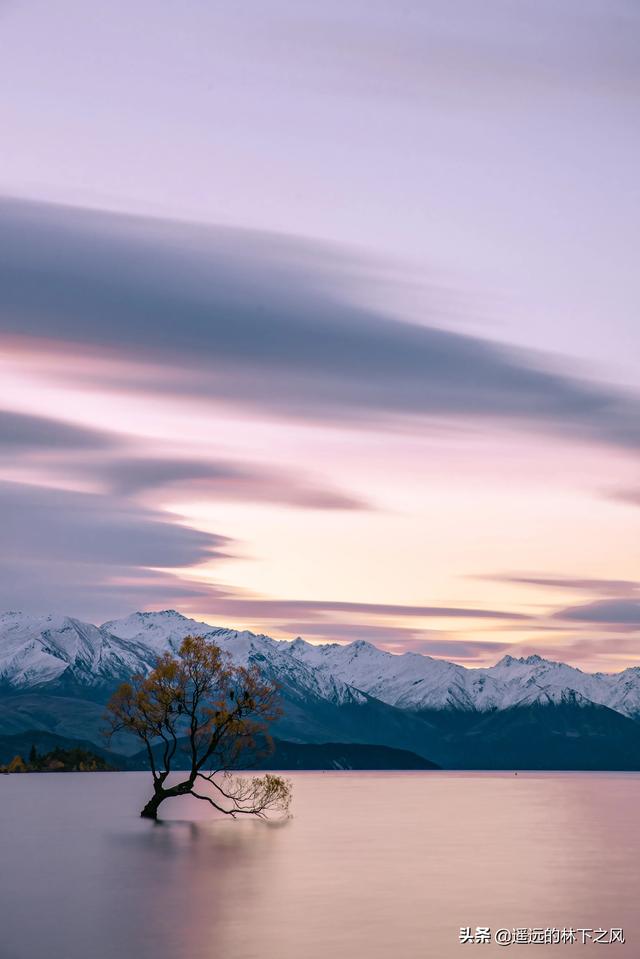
x=376, y=404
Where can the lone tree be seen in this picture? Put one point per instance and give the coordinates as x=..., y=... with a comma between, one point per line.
x=198, y=710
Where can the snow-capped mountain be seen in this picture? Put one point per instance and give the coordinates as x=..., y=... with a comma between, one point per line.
x=421, y=683
x=45, y=651
x=37, y=651
x=166, y=630
x=156, y=631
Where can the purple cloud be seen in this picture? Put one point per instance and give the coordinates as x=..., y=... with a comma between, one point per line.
x=263, y=321
x=240, y=606
x=631, y=497
x=220, y=480
x=20, y=432
x=398, y=639
x=613, y=612
x=57, y=526
x=93, y=554
x=614, y=587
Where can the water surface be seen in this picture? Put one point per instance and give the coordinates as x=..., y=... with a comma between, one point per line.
x=372, y=865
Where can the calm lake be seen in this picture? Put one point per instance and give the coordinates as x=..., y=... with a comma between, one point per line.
x=378, y=865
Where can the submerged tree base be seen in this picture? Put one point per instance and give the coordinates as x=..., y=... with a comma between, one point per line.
x=150, y=811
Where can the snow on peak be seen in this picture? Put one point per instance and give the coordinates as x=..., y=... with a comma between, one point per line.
x=38, y=650
x=159, y=631
x=533, y=660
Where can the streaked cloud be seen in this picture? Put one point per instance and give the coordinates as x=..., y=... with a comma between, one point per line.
x=400, y=640
x=132, y=476
x=263, y=321
x=59, y=544
x=315, y=609
x=614, y=587
x=607, y=652
x=83, y=554
x=87, y=591
x=629, y=497
x=221, y=480
x=612, y=612
x=22, y=432
x=58, y=525
x=330, y=424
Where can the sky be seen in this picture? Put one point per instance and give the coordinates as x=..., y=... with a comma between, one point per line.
x=322, y=319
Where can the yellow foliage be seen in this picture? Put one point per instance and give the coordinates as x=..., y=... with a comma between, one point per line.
x=17, y=765
x=198, y=708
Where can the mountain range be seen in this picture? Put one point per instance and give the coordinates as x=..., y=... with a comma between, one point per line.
x=56, y=673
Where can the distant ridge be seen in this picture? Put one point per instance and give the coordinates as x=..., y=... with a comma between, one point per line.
x=57, y=672
x=285, y=755
x=49, y=651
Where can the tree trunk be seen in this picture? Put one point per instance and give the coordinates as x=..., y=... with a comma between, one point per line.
x=150, y=811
